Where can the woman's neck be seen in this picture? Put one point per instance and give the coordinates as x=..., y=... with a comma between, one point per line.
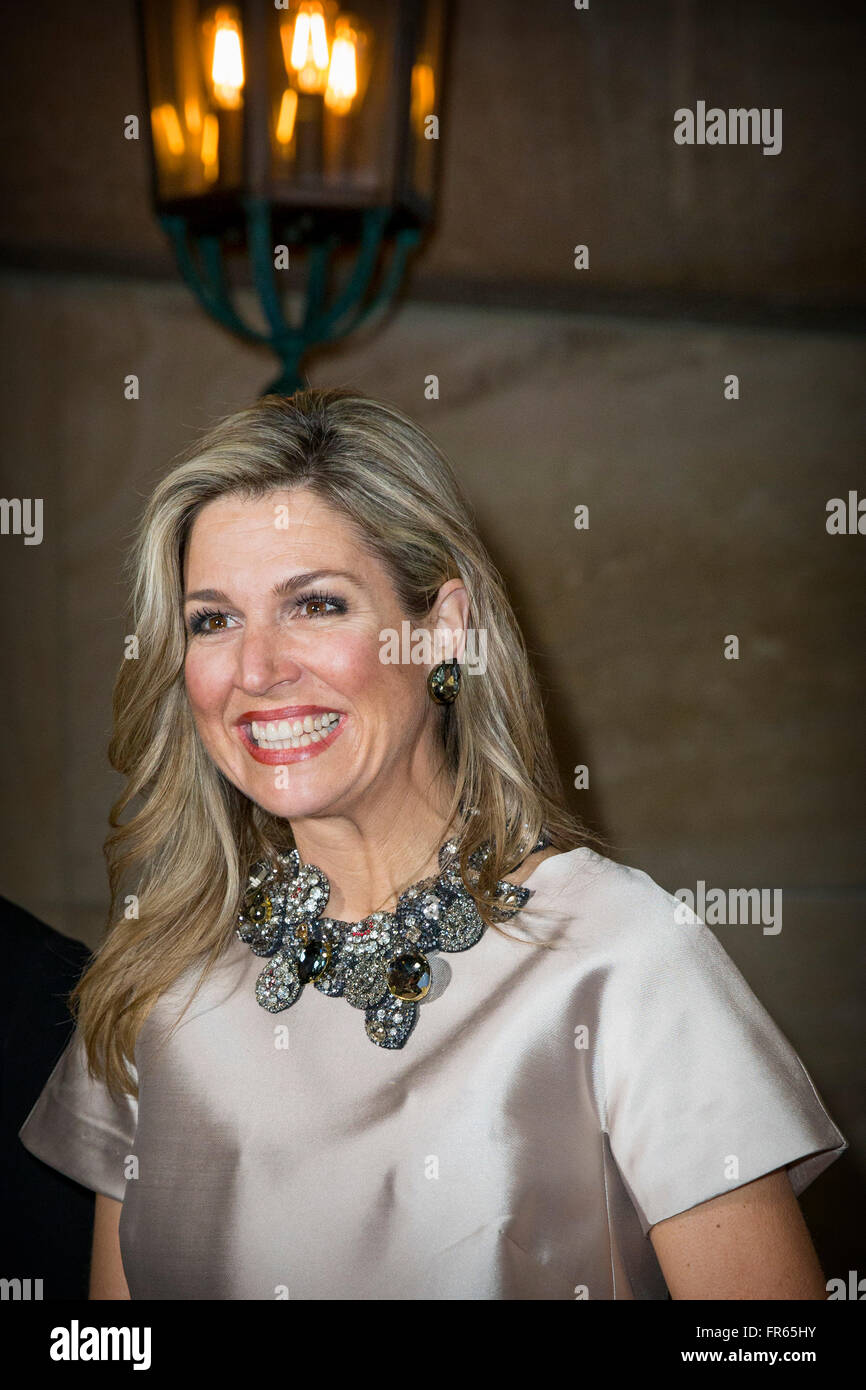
x=371, y=859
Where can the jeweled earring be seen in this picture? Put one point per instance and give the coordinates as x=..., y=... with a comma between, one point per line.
x=443, y=682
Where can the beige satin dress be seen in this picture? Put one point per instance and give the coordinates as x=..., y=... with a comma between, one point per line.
x=549, y=1107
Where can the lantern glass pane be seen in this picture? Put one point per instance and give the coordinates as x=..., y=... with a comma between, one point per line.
x=332, y=102
x=196, y=71
x=425, y=101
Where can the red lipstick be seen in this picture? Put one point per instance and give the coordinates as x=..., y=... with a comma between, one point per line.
x=266, y=716
x=287, y=755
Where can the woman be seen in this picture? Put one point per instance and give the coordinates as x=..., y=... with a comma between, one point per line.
x=302, y=1066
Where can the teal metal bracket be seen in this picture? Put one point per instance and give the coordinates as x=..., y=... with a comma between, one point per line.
x=200, y=261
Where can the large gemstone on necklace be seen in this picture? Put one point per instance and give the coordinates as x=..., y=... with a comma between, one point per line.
x=312, y=959
x=259, y=907
x=409, y=975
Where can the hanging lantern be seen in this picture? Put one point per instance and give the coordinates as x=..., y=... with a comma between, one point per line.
x=300, y=124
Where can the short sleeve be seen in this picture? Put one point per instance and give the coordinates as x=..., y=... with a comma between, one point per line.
x=700, y=1089
x=77, y=1127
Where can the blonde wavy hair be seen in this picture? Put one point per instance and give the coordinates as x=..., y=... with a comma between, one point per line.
x=187, y=849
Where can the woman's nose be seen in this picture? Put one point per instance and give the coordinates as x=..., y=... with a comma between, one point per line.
x=265, y=659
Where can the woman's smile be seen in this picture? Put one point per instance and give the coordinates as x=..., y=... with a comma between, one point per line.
x=289, y=735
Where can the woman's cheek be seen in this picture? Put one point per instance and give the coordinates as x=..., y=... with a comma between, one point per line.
x=202, y=682
x=357, y=660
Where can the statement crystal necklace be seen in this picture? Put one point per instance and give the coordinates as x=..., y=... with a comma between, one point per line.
x=379, y=964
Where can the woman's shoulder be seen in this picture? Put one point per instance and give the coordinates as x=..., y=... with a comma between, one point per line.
x=584, y=875
x=595, y=898
x=657, y=968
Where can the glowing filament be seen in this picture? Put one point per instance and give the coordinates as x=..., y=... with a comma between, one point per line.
x=343, y=74
x=286, y=119
x=192, y=115
x=423, y=95
x=210, y=147
x=167, y=133
x=309, y=51
x=227, y=67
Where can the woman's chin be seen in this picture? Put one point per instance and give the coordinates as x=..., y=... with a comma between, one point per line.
x=293, y=801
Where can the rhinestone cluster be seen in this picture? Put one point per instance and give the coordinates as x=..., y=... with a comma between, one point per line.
x=379, y=965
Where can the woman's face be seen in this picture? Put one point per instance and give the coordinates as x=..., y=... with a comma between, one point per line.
x=283, y=608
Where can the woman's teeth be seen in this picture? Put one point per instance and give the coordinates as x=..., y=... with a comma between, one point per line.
x=293, y=733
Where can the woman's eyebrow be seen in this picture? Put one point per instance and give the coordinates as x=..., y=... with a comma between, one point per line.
x=211, y=595
x=280, y=589
x=300, y=581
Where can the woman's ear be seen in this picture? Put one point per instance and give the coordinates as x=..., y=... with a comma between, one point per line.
x=449, y=620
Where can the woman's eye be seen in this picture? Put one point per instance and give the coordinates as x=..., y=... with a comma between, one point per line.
x=317, y=605
x=206, y=621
